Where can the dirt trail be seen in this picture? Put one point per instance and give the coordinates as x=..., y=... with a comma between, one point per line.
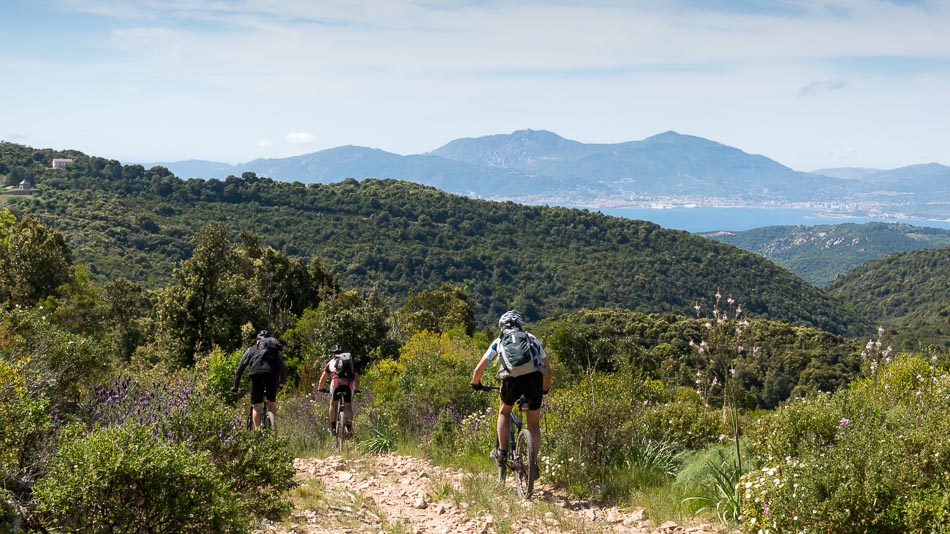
x=400, y=494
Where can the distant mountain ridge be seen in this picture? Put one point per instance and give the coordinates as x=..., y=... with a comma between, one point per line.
x=538, y=166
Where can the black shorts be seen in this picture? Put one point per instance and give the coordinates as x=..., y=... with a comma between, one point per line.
x=530, y=385
x=344, y=392
x=263, y=386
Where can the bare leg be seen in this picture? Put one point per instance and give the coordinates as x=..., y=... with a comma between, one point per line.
x=333, y=413
x=504, y=425
x=534, y=427
x=256, y=415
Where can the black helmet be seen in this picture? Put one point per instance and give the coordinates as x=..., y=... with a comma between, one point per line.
x=263, y=333
x=336, y=349
x=510, y=318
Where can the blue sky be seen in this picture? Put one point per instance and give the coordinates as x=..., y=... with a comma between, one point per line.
x=809, y=83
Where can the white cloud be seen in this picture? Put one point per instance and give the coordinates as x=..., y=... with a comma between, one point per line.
x=408, y=76
x=823, y=86
x=301, y=138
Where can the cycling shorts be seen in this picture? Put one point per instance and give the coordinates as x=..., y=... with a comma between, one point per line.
x=263, y=386
x=530, y=385
x=345, y=391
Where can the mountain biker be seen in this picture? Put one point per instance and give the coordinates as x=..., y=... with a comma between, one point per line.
x=348, y=386
x=533, y=386
x=267, y=374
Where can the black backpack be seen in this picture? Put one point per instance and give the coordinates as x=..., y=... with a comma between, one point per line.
x=519, y=356
x=343, y=365
x=268, y=350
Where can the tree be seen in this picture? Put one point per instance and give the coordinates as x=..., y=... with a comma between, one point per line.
x=207, y=306
x=358, y=324
x=34, y=260
x=437, y=311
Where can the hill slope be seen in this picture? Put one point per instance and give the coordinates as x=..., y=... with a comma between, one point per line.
x=821, y=253
x=908, y=293
x=401, y=237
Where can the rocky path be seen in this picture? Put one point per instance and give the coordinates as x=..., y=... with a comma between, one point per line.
x=405, y=495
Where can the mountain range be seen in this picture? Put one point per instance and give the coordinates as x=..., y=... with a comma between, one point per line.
x=537, y=166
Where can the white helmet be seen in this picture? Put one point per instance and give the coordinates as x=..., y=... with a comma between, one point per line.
x=510, y=318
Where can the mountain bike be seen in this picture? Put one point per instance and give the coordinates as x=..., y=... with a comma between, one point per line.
x=340, y=430
x=268, y=420
x=522, y=452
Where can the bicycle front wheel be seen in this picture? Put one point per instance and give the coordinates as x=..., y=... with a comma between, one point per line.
x=525, y=463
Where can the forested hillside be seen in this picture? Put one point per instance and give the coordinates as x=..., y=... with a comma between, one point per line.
x=823, y=252
x=704, y=405
x=401, y=237
x=908, y=292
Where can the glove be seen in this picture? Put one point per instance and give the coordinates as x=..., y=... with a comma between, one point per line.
x=234, y=389
x=476, y=387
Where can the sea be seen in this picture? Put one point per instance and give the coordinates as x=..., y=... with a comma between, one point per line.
x=711, y=219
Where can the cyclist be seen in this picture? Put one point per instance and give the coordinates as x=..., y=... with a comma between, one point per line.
x=533, y=385
x=267, y=372
x=345, y=379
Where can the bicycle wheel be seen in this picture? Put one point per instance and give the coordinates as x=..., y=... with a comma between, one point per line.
x=250, y=418
x=340, y=428
x=525, y=464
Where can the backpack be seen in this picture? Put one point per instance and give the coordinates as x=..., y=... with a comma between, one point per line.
x=519, y=356
x=267, y=351
x=343, y=365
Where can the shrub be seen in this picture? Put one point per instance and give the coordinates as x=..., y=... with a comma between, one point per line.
x=682, y=420
x=875, y=458
x=125, y=479
x=258, y=466
x=431, y=376
x=58, y=363
x=216, y=372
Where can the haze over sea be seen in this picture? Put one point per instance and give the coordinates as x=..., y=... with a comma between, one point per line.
x=709, y=219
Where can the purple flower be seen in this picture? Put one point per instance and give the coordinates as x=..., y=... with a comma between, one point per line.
x=844, y=422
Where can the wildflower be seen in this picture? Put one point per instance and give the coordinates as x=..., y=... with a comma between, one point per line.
x=844, y=422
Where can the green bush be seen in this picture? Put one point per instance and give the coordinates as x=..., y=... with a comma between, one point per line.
x=875, y=458
x=126, y=479
x=216, y=372
x=430, y=378
x=683, y=419
x=257, y=465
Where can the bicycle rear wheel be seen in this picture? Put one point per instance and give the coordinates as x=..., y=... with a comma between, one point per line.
x=340, y=428
x=525, y=463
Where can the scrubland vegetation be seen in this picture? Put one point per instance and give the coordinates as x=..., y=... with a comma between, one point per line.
x=116, y=413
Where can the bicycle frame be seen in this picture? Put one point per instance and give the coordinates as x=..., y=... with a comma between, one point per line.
x=342, y=434
x=268, y=420
x=522, y=456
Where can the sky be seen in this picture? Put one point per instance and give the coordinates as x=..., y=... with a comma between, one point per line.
x=811, y=84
